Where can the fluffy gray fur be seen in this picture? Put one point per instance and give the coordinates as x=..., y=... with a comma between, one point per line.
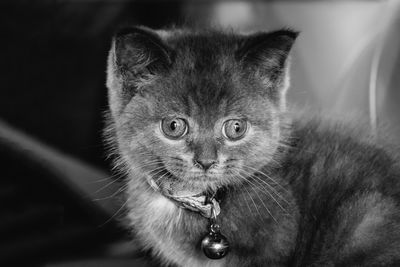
x=296, y=191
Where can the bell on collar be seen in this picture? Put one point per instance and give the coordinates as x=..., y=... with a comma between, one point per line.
x=214, y=245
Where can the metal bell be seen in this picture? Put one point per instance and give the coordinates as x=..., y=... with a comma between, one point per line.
x=214, y=244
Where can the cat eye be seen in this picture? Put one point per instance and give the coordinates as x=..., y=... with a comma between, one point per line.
x=174, y=128
x=234, y=129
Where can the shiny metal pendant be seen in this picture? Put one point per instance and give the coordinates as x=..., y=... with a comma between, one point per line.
x=214, y=245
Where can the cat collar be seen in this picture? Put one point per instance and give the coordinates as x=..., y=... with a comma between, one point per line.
x=214, y=244
x=198, y=203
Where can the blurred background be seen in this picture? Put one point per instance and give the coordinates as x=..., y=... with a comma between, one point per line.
x=58, y=198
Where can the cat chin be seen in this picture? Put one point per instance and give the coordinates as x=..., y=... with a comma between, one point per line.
x=175, y=186
x=180, y=188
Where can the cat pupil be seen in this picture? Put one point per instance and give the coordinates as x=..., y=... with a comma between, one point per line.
x=236, y=127
x=173, y=125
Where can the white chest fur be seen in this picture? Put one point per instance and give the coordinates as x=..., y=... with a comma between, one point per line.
x=156, y=220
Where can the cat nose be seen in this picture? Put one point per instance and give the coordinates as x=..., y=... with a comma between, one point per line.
x=204, y=164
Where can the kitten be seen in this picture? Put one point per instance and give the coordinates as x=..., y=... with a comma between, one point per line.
x=203, y=112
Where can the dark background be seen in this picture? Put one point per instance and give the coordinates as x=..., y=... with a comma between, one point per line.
x=53, y=62
x=53, y=67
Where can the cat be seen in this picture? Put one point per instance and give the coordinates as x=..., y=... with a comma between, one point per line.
x=201, y=112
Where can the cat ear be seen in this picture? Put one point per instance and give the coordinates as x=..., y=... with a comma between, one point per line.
x=137, y=54
x=140, y=50
x=267, y=51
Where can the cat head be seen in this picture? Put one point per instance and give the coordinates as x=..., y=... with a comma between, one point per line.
x=195, y=111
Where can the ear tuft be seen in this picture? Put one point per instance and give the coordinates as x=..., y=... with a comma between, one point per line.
x=267, y=50
x=139, y=49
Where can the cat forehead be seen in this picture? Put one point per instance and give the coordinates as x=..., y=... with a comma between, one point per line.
x=205, y=110
x=204, y=71
x=196, y=90
x=204, y=51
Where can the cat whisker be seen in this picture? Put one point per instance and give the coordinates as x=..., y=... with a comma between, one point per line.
x=115, y=213
x=252, y=185
x=105, y=186
x=266, y=192
x=120, y=190
x=105, y=178
x=268, y=177
x=283, y=144
x=157, y=171
x=115, y=180
x=254, y=203
x=261, y=182
x=143, y=163
x=247, y=203
x=264, y=183
x=146, y=164
x=157, y=180
x=276, y=162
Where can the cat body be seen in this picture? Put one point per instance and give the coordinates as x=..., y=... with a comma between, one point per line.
x=205, y=111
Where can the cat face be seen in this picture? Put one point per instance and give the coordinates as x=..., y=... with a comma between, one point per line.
x=197, y=112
